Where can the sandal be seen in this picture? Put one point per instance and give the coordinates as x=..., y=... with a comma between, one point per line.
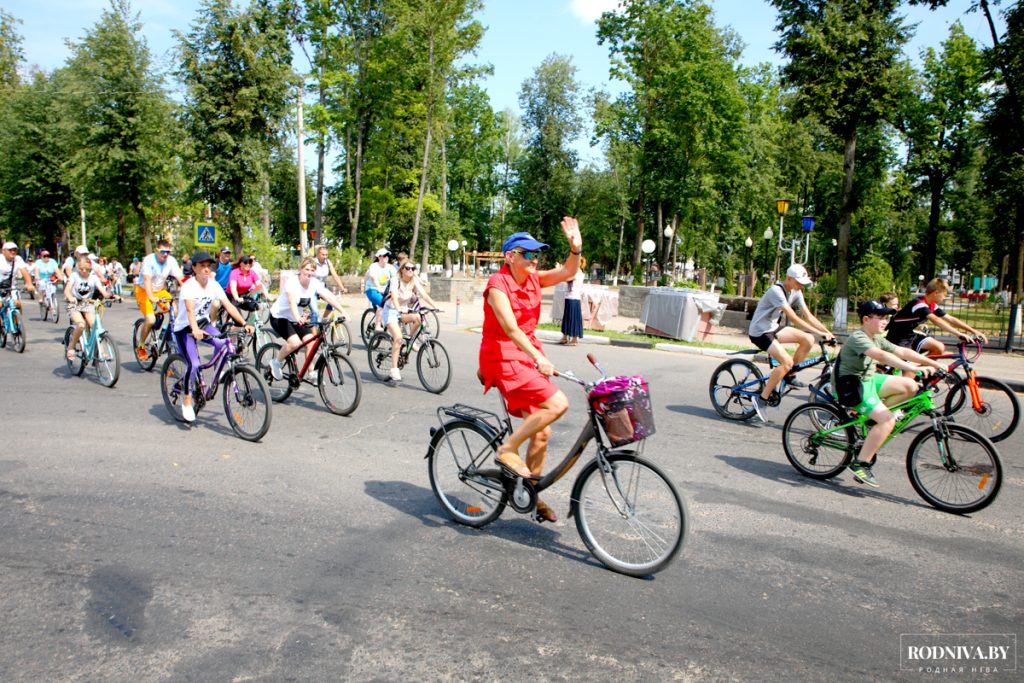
x=545, y=513
x=513, y=465
x=71, y=355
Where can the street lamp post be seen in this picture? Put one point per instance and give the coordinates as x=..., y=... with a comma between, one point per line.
x=463, y=257
x=767, y=240
x=748, y=267
x=453, y=246
x=648, y=247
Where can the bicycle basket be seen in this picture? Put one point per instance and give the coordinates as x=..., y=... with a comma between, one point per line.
x=623, y=408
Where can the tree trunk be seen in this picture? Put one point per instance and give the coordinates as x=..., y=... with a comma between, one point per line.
x=845, y=214
x=122, y=235
x=661, y=235
x=931, y=244
x=136, y=202
x=360, y=134
x=426, y=152
x=618, y=257
x=639, y=226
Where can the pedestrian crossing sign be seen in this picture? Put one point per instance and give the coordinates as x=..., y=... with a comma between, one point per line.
x=206, y=234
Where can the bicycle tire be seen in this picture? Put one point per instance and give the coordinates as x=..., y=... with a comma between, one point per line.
x=56, y=312
x=631, y=529
x=366, y=325
x=378, y=352
x=433, y=366
x=999, y=413
x=247, y=394
x=725, y=379
x=3, y=330
x=280, y=389
x=172, y=378
x=463, y=477
x=339, y=335
x=107, y=361
x=433, y=324
x=150, y=346
x=976, y=477
x=816, y=455
x=77, y=366
x=18, y=337
x=44, y=309
x=338, y=382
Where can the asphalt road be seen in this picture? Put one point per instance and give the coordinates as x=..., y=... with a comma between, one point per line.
x=136, y=549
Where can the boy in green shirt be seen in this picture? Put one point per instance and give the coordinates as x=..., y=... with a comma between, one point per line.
x=860, y=388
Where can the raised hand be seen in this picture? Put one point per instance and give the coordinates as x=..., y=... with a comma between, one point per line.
x=571, y=228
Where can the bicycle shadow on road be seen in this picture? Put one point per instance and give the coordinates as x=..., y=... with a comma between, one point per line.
x=420, y=503
x=783, y=473
x=204, y=420
x=696, y=411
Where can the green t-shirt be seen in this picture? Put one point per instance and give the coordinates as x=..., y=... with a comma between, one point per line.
x=853, y=359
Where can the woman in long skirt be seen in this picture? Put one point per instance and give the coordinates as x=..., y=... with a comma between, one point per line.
x=572, y=316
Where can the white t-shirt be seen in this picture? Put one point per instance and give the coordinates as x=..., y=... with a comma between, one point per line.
x=378, y=276
x=158, y=273
x=5, y=270
x=84, y=288
x=203, y=297
x=323, y=270
x=574, y=286
x=303, y=297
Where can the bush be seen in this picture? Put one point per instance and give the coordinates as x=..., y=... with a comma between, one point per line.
x=872, y=276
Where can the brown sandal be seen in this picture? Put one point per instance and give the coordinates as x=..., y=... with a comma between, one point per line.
x=513, y=464
x=545, y=513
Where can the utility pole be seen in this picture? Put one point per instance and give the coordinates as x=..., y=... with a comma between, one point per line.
x=82, y=205
x=303, y=238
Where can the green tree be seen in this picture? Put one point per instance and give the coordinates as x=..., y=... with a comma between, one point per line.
x=235, y=65
x=843, y=60
x=11, y=54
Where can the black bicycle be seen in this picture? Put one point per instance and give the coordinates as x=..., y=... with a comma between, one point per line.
x=433, y=366
x=368, y=326
x=627, y=511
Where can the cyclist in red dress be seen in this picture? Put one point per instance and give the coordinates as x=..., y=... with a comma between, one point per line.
x=512, y=358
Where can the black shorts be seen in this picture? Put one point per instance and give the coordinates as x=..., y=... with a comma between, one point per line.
x=913, y=342
x=285, y=328
x=763, y=341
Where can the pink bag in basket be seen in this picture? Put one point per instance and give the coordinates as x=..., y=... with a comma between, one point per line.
x=623, y=407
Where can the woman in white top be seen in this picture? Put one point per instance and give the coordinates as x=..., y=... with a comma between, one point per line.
x=291, y=324
x=406, y=293
x=82, y=287
x=325, y=269
x=193, y=322
x=572, y=314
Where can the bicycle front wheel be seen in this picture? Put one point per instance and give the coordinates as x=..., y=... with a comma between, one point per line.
x=732, y=388
x=149, y=344
x=18, y=338
x=338, y=382
x=958, y=471
x=55, y=311
x=107, y=361
x=431, y=325
x=629, y=514
x=378, y=352
x=433, y=366
x=280, y=389
x=815, y=443
x=997, y=413
x=465, y=481
x=172, y=384
x=247, y=403
x=339, y=335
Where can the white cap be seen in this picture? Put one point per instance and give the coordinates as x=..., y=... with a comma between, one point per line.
x=10, y=245
x=799, y=273
x=383, y=252
x=81, y=249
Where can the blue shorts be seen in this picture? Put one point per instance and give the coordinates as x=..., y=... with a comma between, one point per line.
x=376, y=297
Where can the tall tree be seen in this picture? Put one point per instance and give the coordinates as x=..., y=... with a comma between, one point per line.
x=236, y=67
x=11, y=54
x=843, y=60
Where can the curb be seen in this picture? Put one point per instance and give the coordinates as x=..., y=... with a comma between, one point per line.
x=695, y=350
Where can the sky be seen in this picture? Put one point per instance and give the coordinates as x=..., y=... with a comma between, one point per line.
x=519, y=35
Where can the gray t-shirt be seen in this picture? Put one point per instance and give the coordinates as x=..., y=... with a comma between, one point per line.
x=853, y=359
x=768, y=314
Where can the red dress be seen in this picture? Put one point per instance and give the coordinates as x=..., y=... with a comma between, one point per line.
x=502, y=363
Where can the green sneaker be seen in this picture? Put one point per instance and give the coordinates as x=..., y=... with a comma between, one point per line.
x=862, y=473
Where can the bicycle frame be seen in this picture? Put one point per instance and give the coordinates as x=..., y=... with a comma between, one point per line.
x=314, y=342
x=912, y=408
x=219, y=359
x=8, y=311
x=91, y=336
x=753, y=387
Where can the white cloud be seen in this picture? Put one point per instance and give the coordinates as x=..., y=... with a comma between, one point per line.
x=589, y=10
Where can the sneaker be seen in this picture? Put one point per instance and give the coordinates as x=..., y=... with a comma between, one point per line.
x=275, y=369
x=760, y=406
x=396, y=375
x=792, y=381
x=141, y=353
x=188, y=414
x=862, y=473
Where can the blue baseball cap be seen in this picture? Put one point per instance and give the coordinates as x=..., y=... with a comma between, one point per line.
x=523, y=240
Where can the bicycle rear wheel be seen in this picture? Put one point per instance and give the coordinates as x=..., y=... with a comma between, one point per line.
x=814, y=442
x=958, y=471
x=107, y=361
x=247, y=403
x=366, y=325
x=996, y=417
x=629, y=514
x=339, y=335
x=77, y=366
x=172, y=384
x=465, y=481
x=280, y=389
x=338, y=382
x=54, y=311
x=433, y=366
x=728, y=399
x=149, y=343
x=378, y=352
x=18, y=338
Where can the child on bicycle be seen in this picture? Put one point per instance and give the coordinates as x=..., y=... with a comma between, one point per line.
x=404, y=296
x=193, y=322
x=82, y=287
x=767, y=334
x=901, y=327
x=860, y=388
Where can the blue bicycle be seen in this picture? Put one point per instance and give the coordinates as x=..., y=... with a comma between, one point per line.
x=736, y=382
x=11, y=324
x=95, y=347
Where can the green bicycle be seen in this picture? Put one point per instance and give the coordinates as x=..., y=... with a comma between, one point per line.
x=950, y=465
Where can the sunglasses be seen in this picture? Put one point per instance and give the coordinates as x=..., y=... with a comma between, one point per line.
x=247, y=261
x=408, y=267
x=528, y=255
x=165, y=252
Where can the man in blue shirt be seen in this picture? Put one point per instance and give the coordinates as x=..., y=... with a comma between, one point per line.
x=224, y=267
